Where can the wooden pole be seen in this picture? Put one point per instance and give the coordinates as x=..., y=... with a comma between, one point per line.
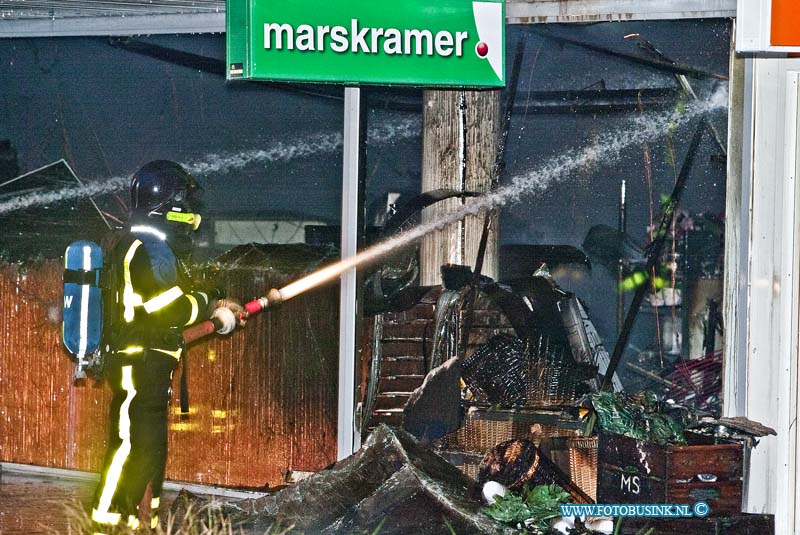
x=460, y=135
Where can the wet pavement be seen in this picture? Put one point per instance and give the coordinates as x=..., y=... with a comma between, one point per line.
x=36, y=504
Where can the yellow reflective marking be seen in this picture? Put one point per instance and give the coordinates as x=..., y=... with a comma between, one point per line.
x=133, y=522
x=163, y=299
x=184, y=217
x=174, y=354
x=105, y=518
x=195, y=309
x=154, y=522
x=130, y=299
x=154, y=503
x=219, y=413
x=115, y=470
x=132, y=350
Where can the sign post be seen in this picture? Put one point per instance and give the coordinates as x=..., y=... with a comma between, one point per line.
x=431, y=43
x=348, y=437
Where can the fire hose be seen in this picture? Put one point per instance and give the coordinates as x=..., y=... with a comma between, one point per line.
x=212, y=325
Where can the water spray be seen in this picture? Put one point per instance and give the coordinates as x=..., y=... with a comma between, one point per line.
x=392, y=130
x=605, y=148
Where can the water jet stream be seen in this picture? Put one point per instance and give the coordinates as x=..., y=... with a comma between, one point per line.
x=382, y=134
x=606, y=147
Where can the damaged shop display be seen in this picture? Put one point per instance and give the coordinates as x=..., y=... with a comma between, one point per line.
x=519, y=367
x=503, y=402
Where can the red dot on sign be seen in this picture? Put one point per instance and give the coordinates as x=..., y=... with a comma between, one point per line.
x=482, y=49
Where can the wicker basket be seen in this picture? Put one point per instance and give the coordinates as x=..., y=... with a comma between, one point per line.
x=583, y=463
x=549, y=385
x=553, y=382
x=576, y=456
x=483, y=429
x=508, y=373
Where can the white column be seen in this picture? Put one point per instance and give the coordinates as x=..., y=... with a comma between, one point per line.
x=761, y=364
x=348, y=440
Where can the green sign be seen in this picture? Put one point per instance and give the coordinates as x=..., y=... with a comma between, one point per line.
x=442, y=43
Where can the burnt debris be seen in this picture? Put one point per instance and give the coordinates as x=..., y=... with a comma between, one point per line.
x=391, y=482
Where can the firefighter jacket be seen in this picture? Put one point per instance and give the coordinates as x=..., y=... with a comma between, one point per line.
x=154, y=300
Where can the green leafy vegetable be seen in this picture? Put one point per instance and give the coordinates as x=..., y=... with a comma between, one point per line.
x=510, y=509
x=543, y=502
x=638, y=417
x=539, y=504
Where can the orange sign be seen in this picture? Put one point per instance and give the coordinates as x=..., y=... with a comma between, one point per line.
x=785, y=23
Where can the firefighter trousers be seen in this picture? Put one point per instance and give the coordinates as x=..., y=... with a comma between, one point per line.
x=137, y=444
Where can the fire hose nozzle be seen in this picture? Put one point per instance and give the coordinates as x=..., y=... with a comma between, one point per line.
x=273, y=298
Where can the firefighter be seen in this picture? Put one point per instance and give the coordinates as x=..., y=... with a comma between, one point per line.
x=155, y=301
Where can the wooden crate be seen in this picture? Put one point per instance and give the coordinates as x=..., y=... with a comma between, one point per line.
x=632, y=471
x=740, y=524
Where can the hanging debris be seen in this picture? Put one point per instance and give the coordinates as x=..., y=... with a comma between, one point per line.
x=697, y=383
x=506, y=372
x=498, y=371
x=45, y=231
x=445, y=334
x=286, y=261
